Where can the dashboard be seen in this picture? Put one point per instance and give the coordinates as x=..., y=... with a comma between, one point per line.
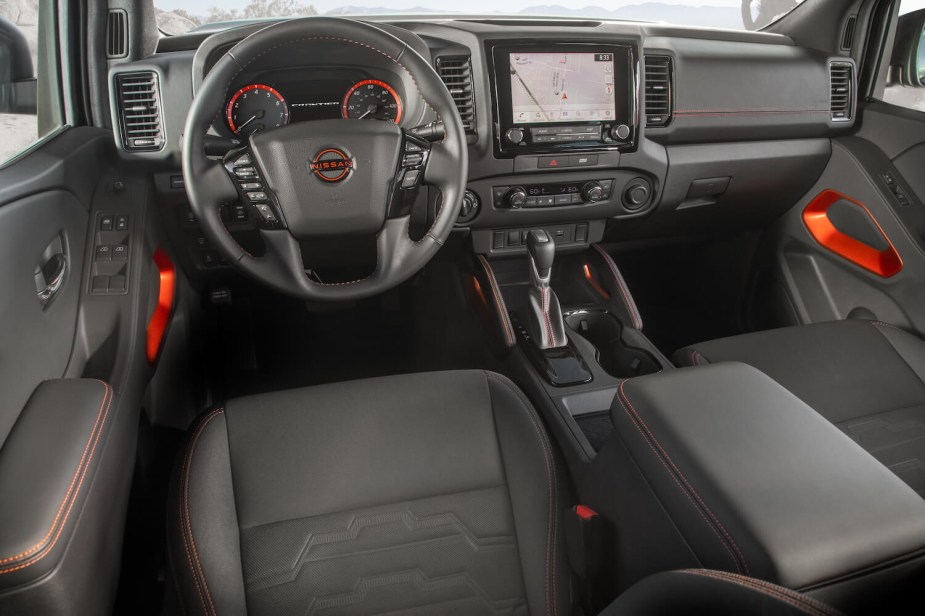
x=580, y=127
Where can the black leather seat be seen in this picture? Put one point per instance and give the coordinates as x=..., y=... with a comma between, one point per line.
x=867, y=378
x=422, y=494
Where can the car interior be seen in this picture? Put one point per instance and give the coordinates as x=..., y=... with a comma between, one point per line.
x=462, y=310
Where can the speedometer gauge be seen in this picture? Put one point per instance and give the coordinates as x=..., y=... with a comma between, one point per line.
x=372, y=99
x=256, y=107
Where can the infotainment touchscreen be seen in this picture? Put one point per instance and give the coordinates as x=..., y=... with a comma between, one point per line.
x=562, y=87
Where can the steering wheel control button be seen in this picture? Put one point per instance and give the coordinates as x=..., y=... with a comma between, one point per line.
x=251, y=185
x=257, y=196
x=266, y=213
x=245, y=173
x=331, y=165
x=410, y=179
x=243, y=161
x=413, y=147
x=412, y=160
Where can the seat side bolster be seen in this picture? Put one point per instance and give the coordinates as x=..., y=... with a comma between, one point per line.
x=537, y=492
x=204, y=535
x=909, y=347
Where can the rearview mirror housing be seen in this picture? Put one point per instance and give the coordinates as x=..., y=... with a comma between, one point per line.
x=18, y=86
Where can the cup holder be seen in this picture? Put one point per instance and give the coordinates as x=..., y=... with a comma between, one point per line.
x=605, y=333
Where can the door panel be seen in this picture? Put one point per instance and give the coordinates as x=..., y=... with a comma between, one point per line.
x=36, y=339
x=824, y=284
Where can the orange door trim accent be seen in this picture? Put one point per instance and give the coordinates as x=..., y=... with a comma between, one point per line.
x=157, y=326
x=884, y=263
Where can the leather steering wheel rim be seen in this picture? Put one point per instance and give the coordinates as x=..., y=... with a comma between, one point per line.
x=209, y=185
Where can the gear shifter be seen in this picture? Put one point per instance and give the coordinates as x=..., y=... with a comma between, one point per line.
x=545, y=321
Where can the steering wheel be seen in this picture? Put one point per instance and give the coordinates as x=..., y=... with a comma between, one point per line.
x=326, y=178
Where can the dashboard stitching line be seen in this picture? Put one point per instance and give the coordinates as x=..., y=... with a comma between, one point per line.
x=621, y=285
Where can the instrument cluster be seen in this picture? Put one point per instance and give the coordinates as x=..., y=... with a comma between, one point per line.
x=276, y=99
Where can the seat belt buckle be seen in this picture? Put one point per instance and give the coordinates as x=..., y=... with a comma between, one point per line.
x=584, y=538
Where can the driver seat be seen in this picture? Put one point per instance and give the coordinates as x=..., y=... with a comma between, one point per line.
x=430, y=493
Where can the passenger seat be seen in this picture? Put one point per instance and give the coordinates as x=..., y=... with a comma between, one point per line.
x=866, y=377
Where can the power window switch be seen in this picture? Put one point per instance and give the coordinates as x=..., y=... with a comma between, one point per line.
x=106, y=222
x=100, y=284
x=122, y=223
x=103, y=253
x=117, y=284
x=120, y=252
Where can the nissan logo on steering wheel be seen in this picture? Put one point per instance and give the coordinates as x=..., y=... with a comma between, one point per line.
x=331, y=165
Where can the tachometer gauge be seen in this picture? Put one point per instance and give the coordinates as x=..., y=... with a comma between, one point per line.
x=372, y=99
x=256, y=107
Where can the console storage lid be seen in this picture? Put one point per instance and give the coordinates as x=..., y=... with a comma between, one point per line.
x=759, y=483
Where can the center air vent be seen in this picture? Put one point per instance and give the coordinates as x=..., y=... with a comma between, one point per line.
x=842, y=90
x=139, y=101
x=456, y=73
x=658, y=90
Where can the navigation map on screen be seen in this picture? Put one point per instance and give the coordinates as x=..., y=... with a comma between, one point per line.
x=561, y=87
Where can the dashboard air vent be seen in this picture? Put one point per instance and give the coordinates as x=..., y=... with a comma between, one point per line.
x=117, y=34
x=841, y=81
x=456, y=73
x=138, y=98
x=847, y=37
x=658, y=90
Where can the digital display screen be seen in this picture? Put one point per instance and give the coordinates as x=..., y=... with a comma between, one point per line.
x=314, y=100
x=562, y=87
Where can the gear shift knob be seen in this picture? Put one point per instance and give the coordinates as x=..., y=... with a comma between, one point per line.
x=542, y=250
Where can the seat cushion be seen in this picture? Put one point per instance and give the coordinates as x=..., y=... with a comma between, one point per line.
x=422, y=492
x=868, y=378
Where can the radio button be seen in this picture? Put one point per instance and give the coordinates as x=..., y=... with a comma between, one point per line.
x=582, y=160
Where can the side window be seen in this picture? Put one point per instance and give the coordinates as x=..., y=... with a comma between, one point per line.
x=905, y=81
x=30, y=96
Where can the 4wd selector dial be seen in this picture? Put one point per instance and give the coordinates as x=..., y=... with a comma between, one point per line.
x=516, y=197
x=592, y=192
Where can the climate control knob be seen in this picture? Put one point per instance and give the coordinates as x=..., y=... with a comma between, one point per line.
x=515, y=135
x=516, y=197
x=592, y=192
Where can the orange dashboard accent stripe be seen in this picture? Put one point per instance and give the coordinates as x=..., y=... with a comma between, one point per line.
x=884, y=263
x=157, y=326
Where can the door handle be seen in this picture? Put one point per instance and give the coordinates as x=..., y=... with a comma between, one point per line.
x=49, y=277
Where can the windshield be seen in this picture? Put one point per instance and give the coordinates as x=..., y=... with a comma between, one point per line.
x=179, y=16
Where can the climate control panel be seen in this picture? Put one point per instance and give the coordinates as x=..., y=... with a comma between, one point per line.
x=556, y=194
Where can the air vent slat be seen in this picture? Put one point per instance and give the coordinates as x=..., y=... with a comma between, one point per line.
x=456, y=73
x=117, y=34
x=138, y=98
x=848, y=35
x=658, y=90
x=841, y=89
